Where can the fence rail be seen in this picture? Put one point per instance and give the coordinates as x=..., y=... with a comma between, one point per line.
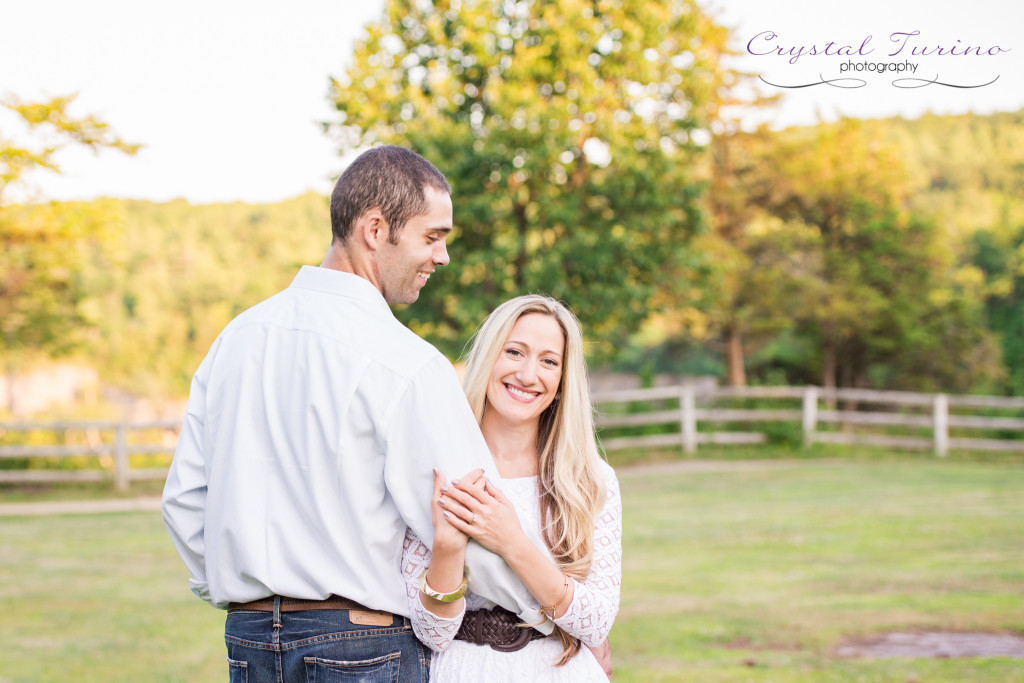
x=680, y=416
x=689, y=416
x=110, y=444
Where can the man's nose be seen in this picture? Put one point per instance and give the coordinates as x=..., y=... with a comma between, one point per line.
x=441, y=254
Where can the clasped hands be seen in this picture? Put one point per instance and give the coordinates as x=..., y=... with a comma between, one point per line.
x=473, y=507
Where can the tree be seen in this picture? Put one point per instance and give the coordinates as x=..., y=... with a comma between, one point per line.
x=999, y=258
x=877, y=287
x=567, y=130
x=44, y=306
x=53, y=129
x=750, y=253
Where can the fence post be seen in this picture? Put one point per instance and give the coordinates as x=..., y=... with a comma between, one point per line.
x=688, y=418
x=120, y=458
x=810, y=414
x=940, y=412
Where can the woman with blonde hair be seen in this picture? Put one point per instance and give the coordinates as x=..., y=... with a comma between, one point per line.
x=555, y=516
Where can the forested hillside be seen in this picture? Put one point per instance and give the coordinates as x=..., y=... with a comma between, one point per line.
x=968, y=171
x=927, y=289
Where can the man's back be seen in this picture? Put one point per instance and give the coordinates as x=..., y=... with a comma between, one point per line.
x=302, y=398
x=312, y=432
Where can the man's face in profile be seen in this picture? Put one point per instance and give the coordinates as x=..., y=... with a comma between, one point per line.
x=422, y=246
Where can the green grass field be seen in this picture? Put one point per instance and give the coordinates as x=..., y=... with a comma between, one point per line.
x=747, y=572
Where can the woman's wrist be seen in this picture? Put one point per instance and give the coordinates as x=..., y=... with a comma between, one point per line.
x=518, y=549
x=449, y=545
x=551, y=612
x=447, y=567
x=445, y=595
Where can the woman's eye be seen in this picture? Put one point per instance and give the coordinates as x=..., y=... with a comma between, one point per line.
x=512, y=352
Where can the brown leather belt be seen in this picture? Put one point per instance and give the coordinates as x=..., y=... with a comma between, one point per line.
x=498, y=628
x=296, y=605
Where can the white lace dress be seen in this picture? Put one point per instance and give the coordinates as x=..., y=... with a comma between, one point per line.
x=589, y=617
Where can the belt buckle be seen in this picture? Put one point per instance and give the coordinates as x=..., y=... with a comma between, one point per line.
x=518, y=644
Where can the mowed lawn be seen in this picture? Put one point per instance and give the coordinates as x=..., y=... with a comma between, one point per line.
x=738, y=572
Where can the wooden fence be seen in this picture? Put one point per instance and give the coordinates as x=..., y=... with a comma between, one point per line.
x=685, y=416
x=107, y=449
x=669, y=417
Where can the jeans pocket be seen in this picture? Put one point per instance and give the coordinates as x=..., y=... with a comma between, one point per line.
x=238, y=672
x=377, y=670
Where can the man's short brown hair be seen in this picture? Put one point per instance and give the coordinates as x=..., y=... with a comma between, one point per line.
x=390, y=178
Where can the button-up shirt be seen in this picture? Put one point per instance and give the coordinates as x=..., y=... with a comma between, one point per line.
x=311, y=434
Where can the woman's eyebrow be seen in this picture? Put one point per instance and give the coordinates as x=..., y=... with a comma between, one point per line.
x=524, y=344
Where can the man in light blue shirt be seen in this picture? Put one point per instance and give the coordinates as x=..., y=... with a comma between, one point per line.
x=312, y=431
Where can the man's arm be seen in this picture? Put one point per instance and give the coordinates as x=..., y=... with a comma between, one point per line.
x=431, y=427
x=184, y=496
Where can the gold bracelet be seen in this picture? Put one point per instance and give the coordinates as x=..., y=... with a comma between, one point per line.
x=554, y=607
x=443, y=597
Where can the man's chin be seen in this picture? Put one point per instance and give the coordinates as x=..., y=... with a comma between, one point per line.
x=405, y=300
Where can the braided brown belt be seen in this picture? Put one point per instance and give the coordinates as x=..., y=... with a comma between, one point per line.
x=496, y=627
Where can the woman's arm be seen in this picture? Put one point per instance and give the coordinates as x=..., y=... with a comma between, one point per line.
x=483, y=512
x=585, y=609
x=447, y=570
x=596, y=601
x=434, y=631
x=435, y=622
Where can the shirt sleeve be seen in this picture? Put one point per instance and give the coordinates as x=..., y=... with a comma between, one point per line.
x=434, y=631
x=184, y=497
x=431, y=427
x=595, y=601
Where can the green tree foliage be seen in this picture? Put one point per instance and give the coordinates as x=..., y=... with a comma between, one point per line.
x=749, y=256
x=46, y=304
x=875, y=286
x=52, y=129
x=145, y=300
x=567, y=131
x=188, y=271
x=47, y=298
x=967, y=170
x=1000, y=258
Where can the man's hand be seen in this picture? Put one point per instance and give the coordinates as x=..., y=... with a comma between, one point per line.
x=603, y=654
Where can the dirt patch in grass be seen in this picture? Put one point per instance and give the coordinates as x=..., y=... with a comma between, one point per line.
x=934, y=644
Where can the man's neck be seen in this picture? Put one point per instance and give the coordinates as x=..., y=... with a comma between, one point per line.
x=340, y=258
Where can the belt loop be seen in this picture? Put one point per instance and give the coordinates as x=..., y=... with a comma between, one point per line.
x=277, y=614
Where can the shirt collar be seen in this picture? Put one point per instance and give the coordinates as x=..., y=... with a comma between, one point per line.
x=340, y=283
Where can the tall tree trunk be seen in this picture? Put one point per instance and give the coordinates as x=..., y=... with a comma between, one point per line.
x=828, y=365
x=522, y=228
x=10, y=387
x=847, y=373
x=734, y=355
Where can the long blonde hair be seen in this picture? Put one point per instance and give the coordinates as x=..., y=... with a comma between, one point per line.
x=572, y=489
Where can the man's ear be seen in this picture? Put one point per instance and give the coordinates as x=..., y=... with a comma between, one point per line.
x=372, y=229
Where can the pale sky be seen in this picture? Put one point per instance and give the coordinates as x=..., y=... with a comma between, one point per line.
x=226, y=95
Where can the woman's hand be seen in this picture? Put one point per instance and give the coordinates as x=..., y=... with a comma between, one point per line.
x=480, y=510
x=447, y=537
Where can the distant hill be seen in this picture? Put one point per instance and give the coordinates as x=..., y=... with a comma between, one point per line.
x=186, y=270
x=968, y=170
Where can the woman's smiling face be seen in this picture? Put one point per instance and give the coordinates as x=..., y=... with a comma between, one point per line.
x=526, y=376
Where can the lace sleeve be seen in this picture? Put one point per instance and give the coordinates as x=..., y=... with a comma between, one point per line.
x=595, y=601
x=433, y=631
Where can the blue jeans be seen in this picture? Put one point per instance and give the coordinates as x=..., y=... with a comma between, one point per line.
x=321, y=646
